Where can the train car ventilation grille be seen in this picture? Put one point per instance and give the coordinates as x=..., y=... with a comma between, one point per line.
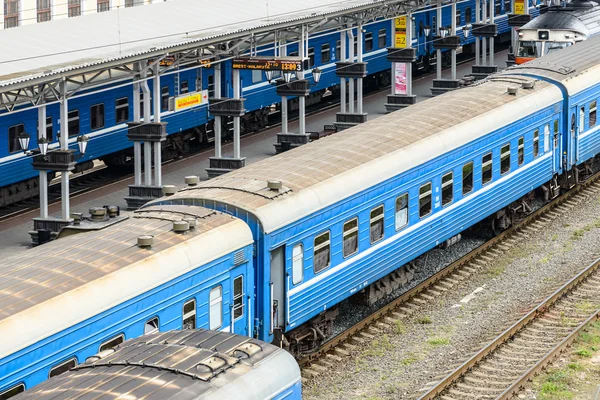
x=239, y=257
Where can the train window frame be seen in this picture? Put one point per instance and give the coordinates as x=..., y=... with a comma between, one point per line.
x=184, y=87
x=298, y=264
x=49, y=130
x=311, y=57
x=382, y=38
x=374, y=220
x=164, y=98
x=592, y=117
x=458, y=17
x=581, y=119
x=73, y=123
x=521, y=150
x=325, y=53
x=338, y=50
x=190, y=315
x=505, y=159
x=485, y=179
x=468, y=15
x=472, y=178
x=61, y=365
x=546, y=138
x=497, y=7
x=214, y=303
x=122, y=110
x=14, y=146
x=257, y=75
x=120, y=338
x=536, y=143
x=445, y=200
x=507, y=8
x=346, y=233
x=368, y=41
x=155, y=327
x=401, y=214
x=6, y=394
x=423, y=195
x=326, y=244
x=556, y=128
x=238, y=298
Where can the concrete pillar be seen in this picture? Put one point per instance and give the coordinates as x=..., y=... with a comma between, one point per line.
x=342, y=79
x=157, y=111
x=351, y=80
x=492, y=10
x=477, y=19
x=284, y=99
x=236, y=120
x=393, y=70
x=438, y=51
x=217, y=125
x=300, y=75
x=43, y=174
x=359, y=58
x=409, y=38
x=453, y=33
x=484, y=39
x=64, y=145
x=148, y=163
x=137, y=152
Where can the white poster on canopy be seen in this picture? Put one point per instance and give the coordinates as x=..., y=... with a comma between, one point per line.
x=400, y=78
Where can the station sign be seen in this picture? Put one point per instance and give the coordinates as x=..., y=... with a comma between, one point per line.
x=291, y=64
x=400, y=32
x=189, y=100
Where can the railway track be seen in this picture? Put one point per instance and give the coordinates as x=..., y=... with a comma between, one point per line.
x=403, y=307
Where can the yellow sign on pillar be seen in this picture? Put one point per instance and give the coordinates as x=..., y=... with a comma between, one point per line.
x=519, y=6
x=400, y=34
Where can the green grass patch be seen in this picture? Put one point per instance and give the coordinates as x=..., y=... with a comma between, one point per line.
x=582, y=352
x=399, y=328
x=439, y=341
x=424, y=320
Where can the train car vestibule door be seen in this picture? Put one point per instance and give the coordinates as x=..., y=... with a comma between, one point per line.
x=277, y=288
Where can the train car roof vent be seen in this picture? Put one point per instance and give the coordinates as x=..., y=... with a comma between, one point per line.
x=180, y=226
x=145, y=241
x=169, y=190
x=191, y=222
x=192, y=180
x=528, y=85
x=98, y=213
x=274, y=185
x=512, y=91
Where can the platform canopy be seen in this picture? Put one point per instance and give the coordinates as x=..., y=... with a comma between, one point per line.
x=34, y=58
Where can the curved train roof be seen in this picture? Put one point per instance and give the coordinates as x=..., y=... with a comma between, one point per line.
x=85, y=274
x=333, y=168
x=182, y=365
x=576, y=67
x=577, y=16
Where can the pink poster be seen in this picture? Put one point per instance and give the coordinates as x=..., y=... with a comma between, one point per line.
x=400, y=78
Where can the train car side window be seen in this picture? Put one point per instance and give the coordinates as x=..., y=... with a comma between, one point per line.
x=13, y=391
x=114, y=342
x=547, y=138
x=321, y=257
x=521, y=151
x=298, y=264
x=151, y=326
x=215, y=312
x=311, y=57
x=457, y=17
x=505, y=159
x=238, y=297
x=486, y=168
x=536, y=143
x=401, y=219
x=592, y=121
x=350, y=237
x=97, y=116
x=447, y=189
x=377, y=228
x=467, y=178
x=62, y=367
x=467, y=15
x=189, y=315
x=507, y=7
x=13, y=138
x=338, y=50
x=122, y=109
x=73, y=118
x=48, y=137
x=325, y=53
x=555, y=133
x=581, y=119
x=164, y=98
x=381, y=38
x=425, y=200
x=368, y=41
x=184, y=87
x=257, y=76
x=498, y=7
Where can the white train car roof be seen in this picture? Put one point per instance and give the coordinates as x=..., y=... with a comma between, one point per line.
x=324, y=172
x=182, y=365
x=576, y=67
x=577, y=16
x=64, y=282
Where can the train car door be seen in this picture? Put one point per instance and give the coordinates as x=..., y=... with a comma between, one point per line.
x=277, y=288
x=239, y=304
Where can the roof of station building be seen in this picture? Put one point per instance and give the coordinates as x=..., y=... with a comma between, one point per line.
x=84, y=274
x=57, y=46
x=336, y=167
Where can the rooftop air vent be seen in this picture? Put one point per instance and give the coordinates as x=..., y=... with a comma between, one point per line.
x=512, y=91
x=528, y=85
x=113, y=211
x=192, y=180
x=76, y=217
x=274, y=185
x=145, y=241
x=97, y=213
x=181, y=226
x=169, y=190
x=191, y=222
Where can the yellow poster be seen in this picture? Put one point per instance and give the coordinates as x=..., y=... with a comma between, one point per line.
x=519, y=6
x=401, y=22
x=400, y=33
x=190, y=100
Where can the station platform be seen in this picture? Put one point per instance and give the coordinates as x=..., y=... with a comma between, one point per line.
x=14, y=236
